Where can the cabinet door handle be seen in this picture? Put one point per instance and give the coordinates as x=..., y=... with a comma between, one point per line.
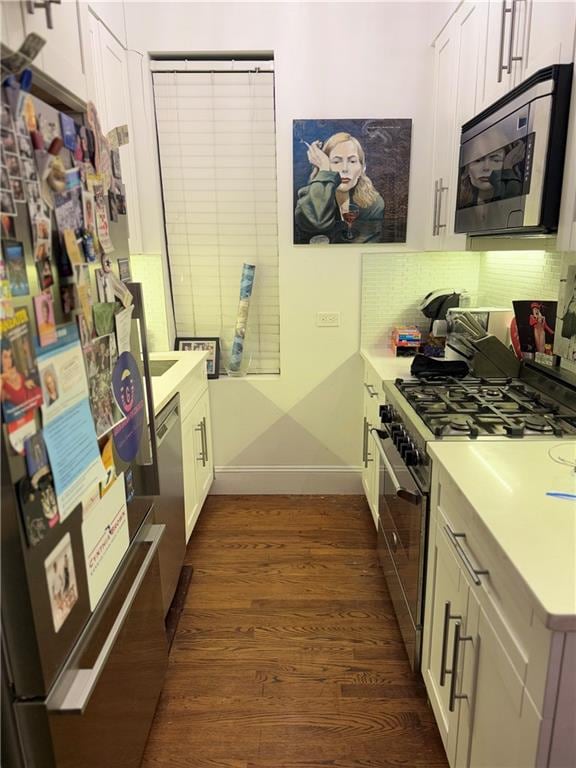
x=435, y=217
x=205, y=438
x=447, y=618
x=475, y=573
x=365, y=443
x=202, y=457
x=371, y=391
x=458, y=638
x=46, y=5
x=511, y=57
x=441, y=190
x=501, y=66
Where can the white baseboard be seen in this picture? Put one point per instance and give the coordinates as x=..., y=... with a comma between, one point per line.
x=314, y=480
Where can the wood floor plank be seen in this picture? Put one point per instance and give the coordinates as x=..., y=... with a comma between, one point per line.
x=288, y=654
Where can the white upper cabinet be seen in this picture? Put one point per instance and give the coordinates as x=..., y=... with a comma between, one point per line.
x=457, y=65
x=62, y=57
x=12, y=25
x=502, y=49
x=112, y=16
x=109, y=90
x=523, y=36
x=470, y=23
x=445, y=57
x=549, y=35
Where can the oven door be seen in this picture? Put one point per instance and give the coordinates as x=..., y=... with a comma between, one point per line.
x=402, y=528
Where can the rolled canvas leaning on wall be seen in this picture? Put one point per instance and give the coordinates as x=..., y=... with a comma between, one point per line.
x=351, y=181
x=235, y=367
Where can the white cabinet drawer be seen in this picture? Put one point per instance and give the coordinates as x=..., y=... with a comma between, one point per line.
x=502, y=595
x=373, y=394
x=191, y=389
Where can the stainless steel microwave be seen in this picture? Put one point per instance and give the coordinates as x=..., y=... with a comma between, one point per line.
x=512, y=159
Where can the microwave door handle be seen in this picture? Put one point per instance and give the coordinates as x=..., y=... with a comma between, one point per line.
x=402, y=493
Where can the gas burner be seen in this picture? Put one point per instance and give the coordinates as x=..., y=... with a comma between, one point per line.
x=537, y=424
x=455, y=425
x=543, y=425
x=420, y=395
x=495, y=394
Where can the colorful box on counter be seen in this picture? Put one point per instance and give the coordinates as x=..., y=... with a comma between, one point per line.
x=406, y=340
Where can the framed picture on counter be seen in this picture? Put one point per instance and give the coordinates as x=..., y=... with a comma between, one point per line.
x=203, y=344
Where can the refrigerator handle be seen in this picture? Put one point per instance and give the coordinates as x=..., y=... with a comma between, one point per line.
x=71, y=693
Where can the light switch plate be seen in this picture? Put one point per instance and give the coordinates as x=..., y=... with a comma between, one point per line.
x=327, y=319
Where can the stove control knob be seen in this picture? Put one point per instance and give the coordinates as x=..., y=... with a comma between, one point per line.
x=412, y=457
x=386, y=414
x=405, y=447
x=395, y=430
x=402, y=444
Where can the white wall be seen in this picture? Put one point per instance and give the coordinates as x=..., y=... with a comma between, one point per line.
x=332, y=60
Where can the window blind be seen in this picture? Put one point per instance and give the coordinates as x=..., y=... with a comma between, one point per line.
x=217, y=147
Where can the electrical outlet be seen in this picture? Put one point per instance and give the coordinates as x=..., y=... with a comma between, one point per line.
x=327, y=319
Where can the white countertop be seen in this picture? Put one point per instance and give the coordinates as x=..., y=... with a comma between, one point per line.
x=165, y=387
x=387, y=365
x=506, y=483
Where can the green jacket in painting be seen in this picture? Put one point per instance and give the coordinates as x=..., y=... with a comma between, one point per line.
x=318, y=213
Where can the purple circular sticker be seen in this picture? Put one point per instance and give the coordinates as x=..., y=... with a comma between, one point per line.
x=127, y=388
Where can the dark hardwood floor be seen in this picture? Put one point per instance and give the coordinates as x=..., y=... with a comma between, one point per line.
x=287, y=654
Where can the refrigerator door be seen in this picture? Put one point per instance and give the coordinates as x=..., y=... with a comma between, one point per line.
x=36, y=651
x=104, y=700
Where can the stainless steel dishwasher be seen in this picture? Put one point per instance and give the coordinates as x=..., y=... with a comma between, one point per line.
x=169, y=505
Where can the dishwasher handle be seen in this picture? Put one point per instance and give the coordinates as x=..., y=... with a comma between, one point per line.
x=164, y=428
x=80, y=683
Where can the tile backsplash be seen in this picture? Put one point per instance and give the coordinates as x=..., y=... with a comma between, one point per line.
x=509, y=275
x=393, y=285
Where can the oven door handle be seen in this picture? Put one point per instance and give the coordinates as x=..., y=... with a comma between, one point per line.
x=410, y=496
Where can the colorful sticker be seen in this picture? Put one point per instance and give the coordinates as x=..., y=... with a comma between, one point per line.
x=127, y=387
x=61, y=581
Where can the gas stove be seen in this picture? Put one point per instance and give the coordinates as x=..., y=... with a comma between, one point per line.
x=539, y=405
x=476, y=408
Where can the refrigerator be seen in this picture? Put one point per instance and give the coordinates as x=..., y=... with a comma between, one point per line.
x=83, y=650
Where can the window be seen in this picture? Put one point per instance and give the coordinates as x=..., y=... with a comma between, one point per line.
x=217, y=147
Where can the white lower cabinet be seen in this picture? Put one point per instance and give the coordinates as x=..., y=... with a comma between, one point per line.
x=198, y=462
x=446, y=608
x=493, y=701
x=373, y=398
x=204, y=469
x=492, y=669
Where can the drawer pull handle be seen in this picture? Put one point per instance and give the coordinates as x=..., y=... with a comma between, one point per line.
x=458, y=638
x=371, y=390
x=447, y=618
x=475, y=573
